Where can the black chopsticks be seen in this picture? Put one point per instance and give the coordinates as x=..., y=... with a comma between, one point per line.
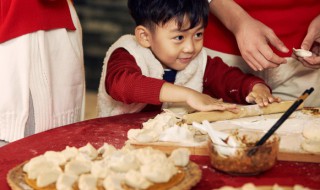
x=282, y=119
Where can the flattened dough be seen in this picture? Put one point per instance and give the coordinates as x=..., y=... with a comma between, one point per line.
x=312, y=131
x=311, y=146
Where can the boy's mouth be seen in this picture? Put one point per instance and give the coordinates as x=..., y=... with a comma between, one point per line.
x=185, y=59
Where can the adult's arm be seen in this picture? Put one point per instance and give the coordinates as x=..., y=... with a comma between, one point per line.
x=253, y=37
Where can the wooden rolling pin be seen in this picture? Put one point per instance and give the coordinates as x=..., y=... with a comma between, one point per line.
x=245, y=111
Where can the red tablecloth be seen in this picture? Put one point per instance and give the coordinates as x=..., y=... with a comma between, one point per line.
x=113, y=130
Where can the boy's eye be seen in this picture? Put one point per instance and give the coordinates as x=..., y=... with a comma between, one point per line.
x=199, y=35
x=179, y=38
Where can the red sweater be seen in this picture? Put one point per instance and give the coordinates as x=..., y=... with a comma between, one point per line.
x=124, y=81
x=289, y=19
x=19, y=17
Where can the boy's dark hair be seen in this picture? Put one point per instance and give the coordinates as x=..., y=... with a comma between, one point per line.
x=150, y=13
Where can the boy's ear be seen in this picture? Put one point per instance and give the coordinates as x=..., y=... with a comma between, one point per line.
x=143, y=36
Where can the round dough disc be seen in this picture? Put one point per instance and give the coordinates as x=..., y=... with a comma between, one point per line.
x=312, y=131
x=302, y=52
x=311, y=146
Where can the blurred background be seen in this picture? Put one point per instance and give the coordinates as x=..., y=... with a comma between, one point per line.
x=103, y=22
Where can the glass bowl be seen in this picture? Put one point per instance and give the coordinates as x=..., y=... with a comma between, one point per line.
x=239, y=161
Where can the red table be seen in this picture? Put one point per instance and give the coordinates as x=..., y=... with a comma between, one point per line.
x=113, y=130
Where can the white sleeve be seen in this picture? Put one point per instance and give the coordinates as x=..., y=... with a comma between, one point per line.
x=209, y=1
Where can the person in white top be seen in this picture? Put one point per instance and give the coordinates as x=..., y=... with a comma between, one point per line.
x=41, y=72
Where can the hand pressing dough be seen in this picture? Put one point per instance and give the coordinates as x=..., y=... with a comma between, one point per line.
x=245, y=111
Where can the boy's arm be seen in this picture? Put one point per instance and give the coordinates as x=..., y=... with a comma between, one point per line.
x=228, y=83
x=124, y=81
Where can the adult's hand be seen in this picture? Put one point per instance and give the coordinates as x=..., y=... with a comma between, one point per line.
x=253, y=37
x=254, y=40
x=312, y=43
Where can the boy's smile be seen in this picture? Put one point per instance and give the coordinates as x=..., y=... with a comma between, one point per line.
x=175, y=48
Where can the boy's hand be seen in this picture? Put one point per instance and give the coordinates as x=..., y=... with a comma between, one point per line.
x=203, y=102
x=261, y=95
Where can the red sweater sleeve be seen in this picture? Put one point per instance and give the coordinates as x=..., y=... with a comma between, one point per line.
x=124, y=81
x=228, y=83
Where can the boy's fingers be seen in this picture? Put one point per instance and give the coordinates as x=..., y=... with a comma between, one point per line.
x=265, y=101
x=271, y=99
x=259, y=101
x=250, y=99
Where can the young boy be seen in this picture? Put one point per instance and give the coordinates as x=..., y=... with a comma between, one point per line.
x=165, y=63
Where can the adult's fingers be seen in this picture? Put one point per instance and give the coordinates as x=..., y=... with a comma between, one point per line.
x=276, y=42
x=270, y=59
x=310, y=62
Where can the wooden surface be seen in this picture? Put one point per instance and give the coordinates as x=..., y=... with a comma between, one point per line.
x=302, y=157
x=168, y=147
x=202, y=150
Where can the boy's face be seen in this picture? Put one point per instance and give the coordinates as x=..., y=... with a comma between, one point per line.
x=176, y=48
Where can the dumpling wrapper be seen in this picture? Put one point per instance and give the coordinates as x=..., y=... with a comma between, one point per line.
x=302, y=52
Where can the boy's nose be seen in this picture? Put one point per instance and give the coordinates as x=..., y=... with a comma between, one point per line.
x=188, y=46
